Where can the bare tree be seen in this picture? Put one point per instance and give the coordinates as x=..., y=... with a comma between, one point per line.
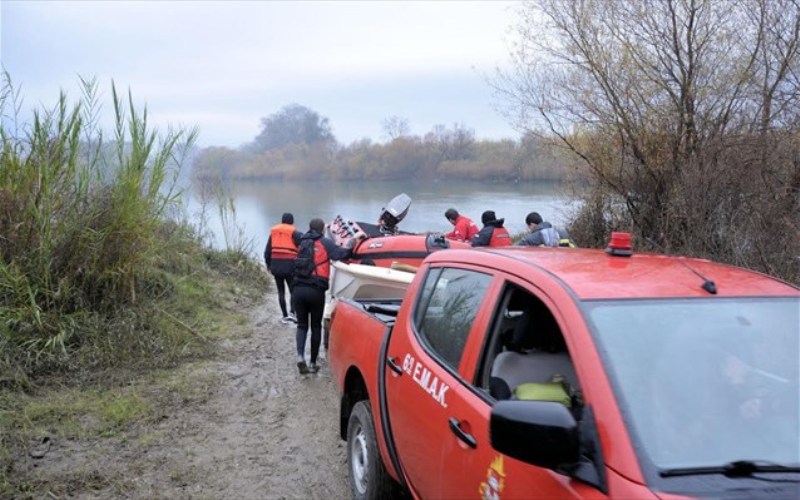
x=395, y=127
x=455, y=144
x=655, y=94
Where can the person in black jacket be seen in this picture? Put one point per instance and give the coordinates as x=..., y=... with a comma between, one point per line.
x=279, y=255
x=312, y=272
x=493, y=234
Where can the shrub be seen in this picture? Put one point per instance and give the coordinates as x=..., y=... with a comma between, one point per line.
x=93, y=271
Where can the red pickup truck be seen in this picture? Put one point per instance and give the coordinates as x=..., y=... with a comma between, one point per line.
x=571, y=373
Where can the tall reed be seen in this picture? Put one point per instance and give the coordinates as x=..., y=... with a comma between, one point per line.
x=81, y=219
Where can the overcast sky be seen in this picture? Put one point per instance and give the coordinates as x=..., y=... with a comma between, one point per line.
x=223, y=65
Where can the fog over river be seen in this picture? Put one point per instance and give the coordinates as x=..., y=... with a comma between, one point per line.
x=259, y=205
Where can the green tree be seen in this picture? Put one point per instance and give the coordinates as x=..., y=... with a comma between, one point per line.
x=293, y=125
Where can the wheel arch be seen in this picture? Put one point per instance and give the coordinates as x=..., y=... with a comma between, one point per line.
x=355, y=390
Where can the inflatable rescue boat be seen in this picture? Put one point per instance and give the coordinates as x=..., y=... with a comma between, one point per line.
x=384, y=262
x=385, y=243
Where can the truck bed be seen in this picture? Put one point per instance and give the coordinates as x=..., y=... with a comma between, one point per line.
x=384, y=310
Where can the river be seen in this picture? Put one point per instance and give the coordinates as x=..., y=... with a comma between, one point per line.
x=259, y=205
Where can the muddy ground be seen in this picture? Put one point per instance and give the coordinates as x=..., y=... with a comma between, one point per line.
x=250, y=426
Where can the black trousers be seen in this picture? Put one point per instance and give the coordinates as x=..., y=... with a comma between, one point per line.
x=309, y=304
x=279, y=281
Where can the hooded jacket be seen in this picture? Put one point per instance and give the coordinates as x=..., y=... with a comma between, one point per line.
x=546, y=235
x=493, y=234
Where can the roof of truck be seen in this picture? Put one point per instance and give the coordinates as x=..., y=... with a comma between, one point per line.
x=595, y=274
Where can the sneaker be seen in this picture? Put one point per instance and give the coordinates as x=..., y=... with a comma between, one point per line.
x=292, y=317
x=301, y=365
x=314, y=368
x=286, y=320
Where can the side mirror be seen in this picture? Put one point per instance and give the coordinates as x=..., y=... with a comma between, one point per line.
x=541, y=433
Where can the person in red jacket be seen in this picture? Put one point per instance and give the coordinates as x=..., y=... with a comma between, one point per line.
x=464, y=229
x=280, y=254
x=493, y=234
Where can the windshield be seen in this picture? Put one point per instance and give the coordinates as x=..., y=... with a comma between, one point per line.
x=705, y=382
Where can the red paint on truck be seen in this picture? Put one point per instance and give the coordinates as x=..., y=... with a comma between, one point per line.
x=641, y=349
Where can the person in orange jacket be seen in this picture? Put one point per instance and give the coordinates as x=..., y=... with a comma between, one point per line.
x=280, y=254
x=463, y=227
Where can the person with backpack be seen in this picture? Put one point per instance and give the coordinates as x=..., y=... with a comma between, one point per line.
x=493, y=234
x=543, y=234
x=463, y=227
x=311, y=275
x=279, y=256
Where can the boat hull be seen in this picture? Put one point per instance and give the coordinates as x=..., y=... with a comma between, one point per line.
x=384, y=249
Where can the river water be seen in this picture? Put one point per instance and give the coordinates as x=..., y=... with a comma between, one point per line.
x=259, y=205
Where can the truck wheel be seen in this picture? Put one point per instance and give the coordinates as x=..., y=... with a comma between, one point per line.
x=368, y=477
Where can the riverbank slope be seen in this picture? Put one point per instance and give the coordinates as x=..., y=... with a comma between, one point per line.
x=241, y=424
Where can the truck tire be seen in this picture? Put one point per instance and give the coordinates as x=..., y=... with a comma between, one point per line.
x=369, y=479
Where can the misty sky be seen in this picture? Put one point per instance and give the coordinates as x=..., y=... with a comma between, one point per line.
x=223, y=65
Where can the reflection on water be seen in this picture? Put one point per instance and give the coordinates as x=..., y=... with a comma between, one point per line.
x=259, y=205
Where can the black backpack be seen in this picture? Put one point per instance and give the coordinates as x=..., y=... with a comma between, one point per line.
x=304, y=263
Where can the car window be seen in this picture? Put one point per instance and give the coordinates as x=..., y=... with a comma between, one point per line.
x=526, y=349
x=449, y=301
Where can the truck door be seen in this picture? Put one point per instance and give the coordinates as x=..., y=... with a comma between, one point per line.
x=423, y=380
x=522, y=345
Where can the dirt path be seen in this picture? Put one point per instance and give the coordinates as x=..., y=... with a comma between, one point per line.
x=256, y=428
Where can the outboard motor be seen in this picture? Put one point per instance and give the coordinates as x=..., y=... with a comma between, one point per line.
x=385, y=243
x=394, y=212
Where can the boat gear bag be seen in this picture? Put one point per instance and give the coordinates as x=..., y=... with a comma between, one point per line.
x=312, y=266
x=543, y=391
